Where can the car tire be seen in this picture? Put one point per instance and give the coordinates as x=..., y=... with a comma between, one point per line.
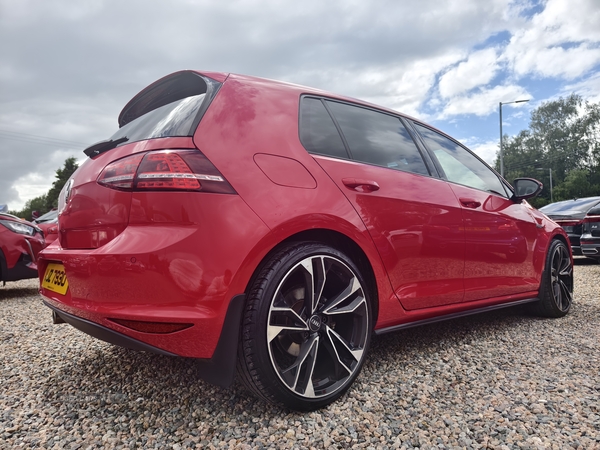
x=306, y=327
x=556, y=290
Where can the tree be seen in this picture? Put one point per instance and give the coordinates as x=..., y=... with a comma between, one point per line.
x=49, y=201
x=576, y=185
x=563, y=136
x=35, y=204
x=62, y=176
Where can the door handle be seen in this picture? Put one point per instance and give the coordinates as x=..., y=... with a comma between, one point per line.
x=470, y=203
x=359, y=184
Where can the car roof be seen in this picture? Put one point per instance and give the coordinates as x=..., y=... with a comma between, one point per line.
x=139, y=104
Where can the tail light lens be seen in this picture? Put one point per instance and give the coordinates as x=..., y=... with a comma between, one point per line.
x=165, y=170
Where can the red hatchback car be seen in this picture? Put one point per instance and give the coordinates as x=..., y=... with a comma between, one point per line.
x=20, y=243
x=275, y=227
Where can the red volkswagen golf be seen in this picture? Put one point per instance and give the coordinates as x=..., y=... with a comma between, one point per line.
x=273, y=227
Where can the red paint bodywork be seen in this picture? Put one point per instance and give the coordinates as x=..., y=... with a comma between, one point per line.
x=180, y=257
x=18, y=252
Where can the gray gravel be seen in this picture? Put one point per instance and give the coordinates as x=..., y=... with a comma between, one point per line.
x=501, y=380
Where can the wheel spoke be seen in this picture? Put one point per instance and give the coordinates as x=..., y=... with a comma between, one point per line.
x=349, y=308
x=566, y=295
x=352, y=288
x=341, y=351
x=566, y=269
x=315, y=282
x=298, y=376
x=284, y=319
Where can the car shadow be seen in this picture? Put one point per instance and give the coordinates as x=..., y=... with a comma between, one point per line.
x=109, y=378
x=442, y=335
x=9, y=292
x=583, y=261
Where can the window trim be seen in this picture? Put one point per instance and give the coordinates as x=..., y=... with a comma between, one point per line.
x=344, y=143
x=443, y=175
x=427, y=161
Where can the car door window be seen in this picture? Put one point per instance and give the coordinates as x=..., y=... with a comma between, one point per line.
x=377, y=138
x=459, y=165
x=318, y=133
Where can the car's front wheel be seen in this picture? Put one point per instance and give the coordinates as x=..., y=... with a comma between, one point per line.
x=556, y=290
x=306, y=327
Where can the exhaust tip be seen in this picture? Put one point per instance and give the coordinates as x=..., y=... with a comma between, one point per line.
x=56, y=319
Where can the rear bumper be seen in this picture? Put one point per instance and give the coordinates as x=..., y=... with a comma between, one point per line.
x=169, y=283
x=105, y=334
x=219, y=369
x=180, y=273
x=590, y=246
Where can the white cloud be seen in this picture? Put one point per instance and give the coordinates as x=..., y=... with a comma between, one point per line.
x=486, y=150
x=484, y=101
x=403, y=88
x=561, y=41
x=477, y=70
x=71, y=67
x=588, y=88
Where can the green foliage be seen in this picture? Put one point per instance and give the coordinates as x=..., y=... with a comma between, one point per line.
x=35, y=204
x=62, y=176
x=564, y=137
x=577, y=184
x=49, y=201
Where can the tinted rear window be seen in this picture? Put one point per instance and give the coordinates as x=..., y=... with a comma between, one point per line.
x=174, y=119
x=378, y=138
x=318, y=133
x=570, y=206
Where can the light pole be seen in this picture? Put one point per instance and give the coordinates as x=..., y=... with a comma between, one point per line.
x=549, y=171
x=501, y=154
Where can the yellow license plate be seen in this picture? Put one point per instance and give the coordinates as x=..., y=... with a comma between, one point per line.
x=55, y=278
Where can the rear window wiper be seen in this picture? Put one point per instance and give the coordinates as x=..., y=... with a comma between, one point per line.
x=103, y=146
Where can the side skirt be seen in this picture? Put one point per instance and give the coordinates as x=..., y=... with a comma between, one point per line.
x=470, y=312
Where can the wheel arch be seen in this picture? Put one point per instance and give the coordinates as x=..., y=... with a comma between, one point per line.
x=340, y=242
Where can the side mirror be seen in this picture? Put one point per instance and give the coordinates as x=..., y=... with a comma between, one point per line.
x=526, y=188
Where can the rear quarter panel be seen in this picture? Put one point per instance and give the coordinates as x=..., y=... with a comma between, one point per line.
x=252, y=117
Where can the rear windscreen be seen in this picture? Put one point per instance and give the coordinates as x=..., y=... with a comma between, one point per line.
x=569, y=207
x=173, y=119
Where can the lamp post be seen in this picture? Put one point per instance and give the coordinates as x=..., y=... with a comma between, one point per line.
x=501, y=154
x=550, y=172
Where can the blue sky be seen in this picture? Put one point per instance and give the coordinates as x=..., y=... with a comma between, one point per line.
x=67, y=68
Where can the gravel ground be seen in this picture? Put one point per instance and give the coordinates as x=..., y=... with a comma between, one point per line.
x=500, y=380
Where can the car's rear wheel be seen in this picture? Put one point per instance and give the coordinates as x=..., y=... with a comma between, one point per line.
x=306, y=327
x=556, y=290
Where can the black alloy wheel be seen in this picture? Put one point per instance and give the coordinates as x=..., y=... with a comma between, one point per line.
x=556, y=292
x=306, y=328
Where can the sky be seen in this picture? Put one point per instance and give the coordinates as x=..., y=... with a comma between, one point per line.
x=67, y=67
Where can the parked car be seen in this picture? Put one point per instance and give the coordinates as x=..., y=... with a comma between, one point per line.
x=50, y=230
x=50, y=216
x=590, y=238
x=20, y=244
x=576, y=217
x=275, y=227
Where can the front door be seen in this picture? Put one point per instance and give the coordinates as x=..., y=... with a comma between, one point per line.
x=500, y=234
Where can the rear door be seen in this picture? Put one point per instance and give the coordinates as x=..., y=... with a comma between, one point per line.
x=414, y=218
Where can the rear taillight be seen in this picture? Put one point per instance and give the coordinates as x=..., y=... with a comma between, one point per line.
x=165, y=170
x=568, y=223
